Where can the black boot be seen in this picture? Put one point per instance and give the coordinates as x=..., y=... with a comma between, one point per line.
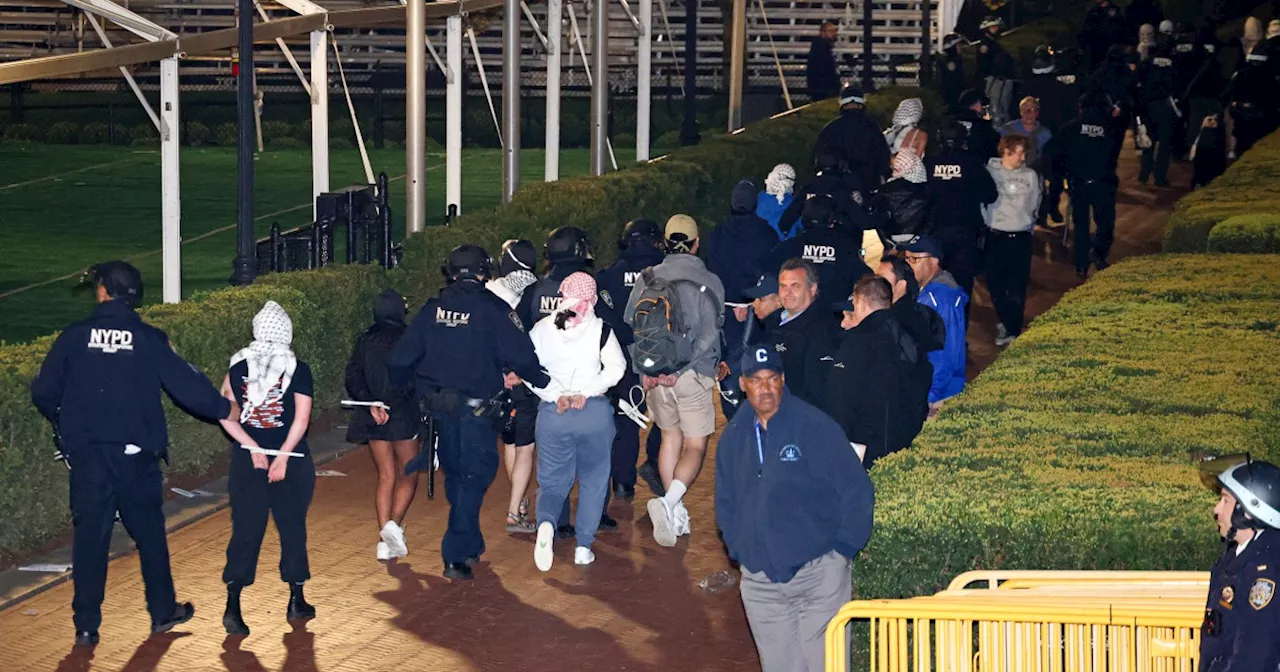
x=299, y=610
x=231, y=618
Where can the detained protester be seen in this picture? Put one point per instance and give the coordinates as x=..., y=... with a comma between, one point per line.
x=1008, y=240
x=903, y=205
x=942, y=294
x=736, y=252
x=677, y=357
x=391, y=432
x=274, y=390
x=905, y=133
x=832, y=250
x=639, y=248
x=1242, y=615
x=800, y=331
x=461, y=350
x=868, y=374
x=515, y=275
x=960, y=186
x=776, y=199
x=856, y=139
x=99, y=387
x=575, y=419
x=794, y=505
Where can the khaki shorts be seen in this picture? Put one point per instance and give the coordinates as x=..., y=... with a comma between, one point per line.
x=688, y=406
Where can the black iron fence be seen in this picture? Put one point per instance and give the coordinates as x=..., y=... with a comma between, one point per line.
x=356, y=218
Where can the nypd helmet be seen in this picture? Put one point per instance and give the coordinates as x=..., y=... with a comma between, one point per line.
x=468, y=262
x=567, y=243
x=1256, y=488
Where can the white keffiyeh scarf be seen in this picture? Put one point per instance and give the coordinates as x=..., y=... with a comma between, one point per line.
x=270, y=356
x=780, y=181
x=905, y=118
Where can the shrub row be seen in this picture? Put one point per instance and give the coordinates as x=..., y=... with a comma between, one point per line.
x=330, y=306
x=1248, y=187
x=1073, y=450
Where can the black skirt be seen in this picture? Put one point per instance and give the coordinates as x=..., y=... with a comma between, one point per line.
x=402, y=425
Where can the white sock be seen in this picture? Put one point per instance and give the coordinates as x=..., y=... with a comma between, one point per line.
x=675, y=492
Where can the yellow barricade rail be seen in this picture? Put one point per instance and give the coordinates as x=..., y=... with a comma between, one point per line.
x=995, y=578
x=1072, y=625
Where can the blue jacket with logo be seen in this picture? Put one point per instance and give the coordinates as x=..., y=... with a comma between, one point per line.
x=794, y=495
x=463, y=340
x=1242, y=600
x=101, y=383
x=948, y=299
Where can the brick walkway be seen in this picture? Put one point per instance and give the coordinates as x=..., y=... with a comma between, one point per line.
x=637, y=608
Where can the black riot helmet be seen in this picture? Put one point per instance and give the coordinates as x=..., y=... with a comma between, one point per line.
x=954, y=41
x=567, y=243
x=121, y=279
x=953, y=134
x=819, y=212
x=468, y=262
x=1256, y=487
x=971, y=97
x=641, y=232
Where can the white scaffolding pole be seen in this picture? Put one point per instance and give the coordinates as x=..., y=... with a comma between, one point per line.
x=319, y=115
x=453, y=113
x=586, y=67
x=128, y=77
x=170, y=190
x=555, y=43
x=644, y=83
x=416, y=116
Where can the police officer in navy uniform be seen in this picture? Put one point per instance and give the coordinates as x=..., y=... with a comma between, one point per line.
x=100, y=388
x=832, y=250
x=1157, y=85
x=639, y=248
x=982, y=136
x=568, y=251
x=455, y=353
x=1242, y=616
x=832, y=178
x=961, y=185
x=856, y=139
x=1084, y=153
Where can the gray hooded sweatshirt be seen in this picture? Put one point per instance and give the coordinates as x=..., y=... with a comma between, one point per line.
x=704, y=313
x=1018, y=200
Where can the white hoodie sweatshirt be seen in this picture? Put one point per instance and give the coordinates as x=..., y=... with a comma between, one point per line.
x=574, y=359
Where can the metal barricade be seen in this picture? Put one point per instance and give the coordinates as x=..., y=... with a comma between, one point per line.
x=1074, y=622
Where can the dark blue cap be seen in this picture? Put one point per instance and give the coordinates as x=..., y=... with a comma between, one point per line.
x=924, y=245
x=760, y=357
x=766, y=285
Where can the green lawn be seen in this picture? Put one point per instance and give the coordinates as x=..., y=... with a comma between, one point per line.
x=110, y=208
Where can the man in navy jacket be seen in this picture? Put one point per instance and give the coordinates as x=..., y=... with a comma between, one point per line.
x=794, y=505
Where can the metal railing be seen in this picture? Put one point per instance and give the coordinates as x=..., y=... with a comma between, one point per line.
x=362, y=215
x=1033, y=622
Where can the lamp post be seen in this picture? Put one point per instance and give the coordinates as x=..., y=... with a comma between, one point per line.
x=689, y=133
x=245, y=265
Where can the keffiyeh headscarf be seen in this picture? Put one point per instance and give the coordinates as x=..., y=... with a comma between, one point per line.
x=579, y=292
x=270, y=356
x=780, y=182
x=905, y=118
x=518, y=281
x=908, y=166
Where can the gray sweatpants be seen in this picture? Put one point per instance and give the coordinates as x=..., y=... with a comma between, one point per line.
x=575, y=445
x=789, y=620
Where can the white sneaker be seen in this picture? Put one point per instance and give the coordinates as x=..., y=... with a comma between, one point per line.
x=583, y=556
x=1001, y=331
x=663, y=528
x=1004, y=341
x=383, y=553
x=393, y=536
x=542, y=551
x=680, y=520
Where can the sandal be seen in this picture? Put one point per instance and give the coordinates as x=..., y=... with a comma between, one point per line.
x=524, y=508
x=517, y=524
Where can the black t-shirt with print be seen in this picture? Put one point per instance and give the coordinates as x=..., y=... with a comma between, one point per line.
x=269, y=422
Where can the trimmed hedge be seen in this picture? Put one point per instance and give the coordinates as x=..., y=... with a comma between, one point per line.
x=331, y=306
x=1246, y=234
x=1073, y=450
x=1247, y=187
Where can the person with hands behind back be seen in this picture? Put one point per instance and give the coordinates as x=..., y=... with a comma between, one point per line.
x=274, y=389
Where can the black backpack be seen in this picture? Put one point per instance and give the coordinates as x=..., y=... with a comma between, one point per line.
x=663, y=342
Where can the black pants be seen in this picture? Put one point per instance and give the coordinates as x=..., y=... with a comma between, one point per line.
x=469, y=458
x=1161, y=124
x=960, y=252
x=252, y=499
x=103, y=481
x=1100, y=197
x=1008, y=267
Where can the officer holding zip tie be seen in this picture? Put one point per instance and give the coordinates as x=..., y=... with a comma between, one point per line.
x=1242, y=615
x=454, y=353
x=100, y=388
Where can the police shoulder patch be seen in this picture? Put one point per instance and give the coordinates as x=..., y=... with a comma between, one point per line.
x=1261, y=592
x=604, y=296
x=515, y=319
x=984, y=48
x=951, y=65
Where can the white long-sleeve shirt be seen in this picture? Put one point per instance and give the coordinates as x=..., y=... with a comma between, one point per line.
x=574, y=359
